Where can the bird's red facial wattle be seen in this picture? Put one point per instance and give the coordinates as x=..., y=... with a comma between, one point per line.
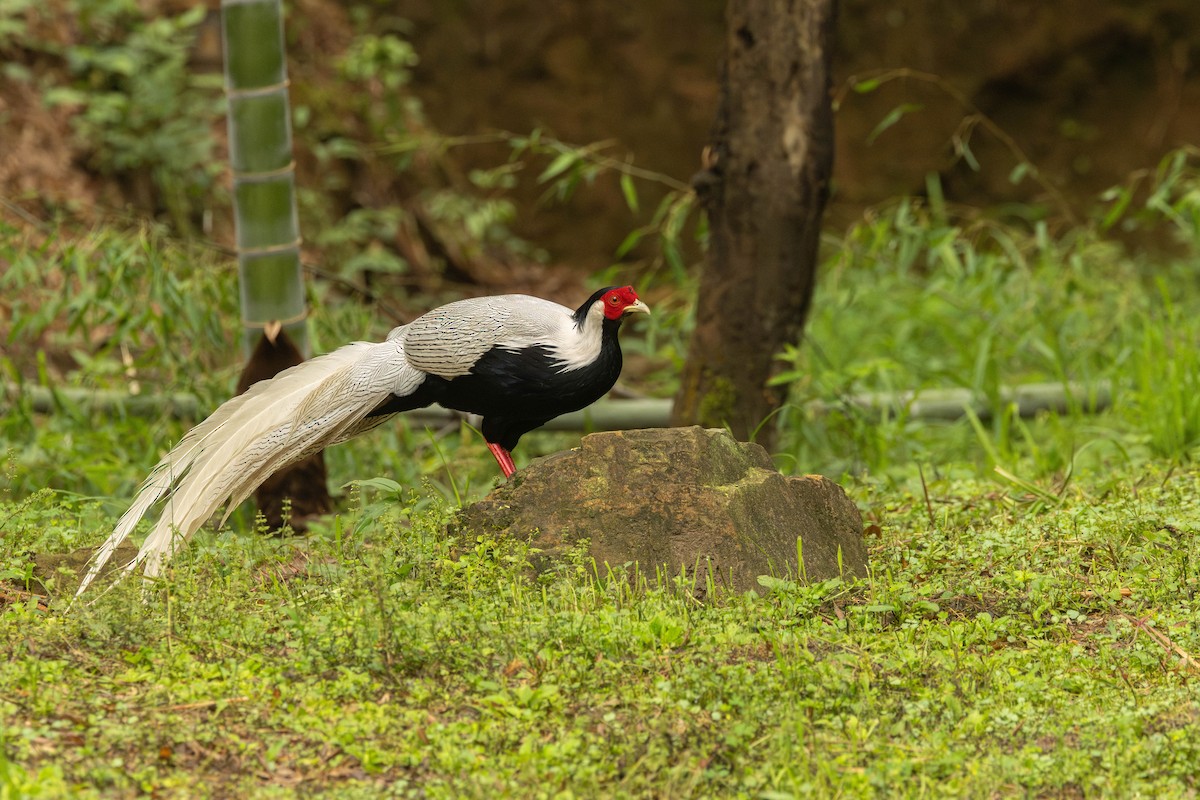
x=622, y=301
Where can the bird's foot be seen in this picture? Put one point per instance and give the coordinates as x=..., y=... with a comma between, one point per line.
x=503, y=458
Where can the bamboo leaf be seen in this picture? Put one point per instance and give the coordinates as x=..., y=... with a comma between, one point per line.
x=558, y=166
x=892, y=117
x=867, y=86
x=382, y=484
x=630, y=192
x=629, y=242
x=964, y=149
x=1019, y=172
x=1120, y=199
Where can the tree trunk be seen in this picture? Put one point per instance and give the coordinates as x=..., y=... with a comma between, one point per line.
x=764, y=186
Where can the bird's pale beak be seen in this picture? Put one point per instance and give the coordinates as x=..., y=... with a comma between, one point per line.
x=637, y=306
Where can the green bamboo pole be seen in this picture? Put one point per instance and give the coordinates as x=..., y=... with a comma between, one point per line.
x=260, y=153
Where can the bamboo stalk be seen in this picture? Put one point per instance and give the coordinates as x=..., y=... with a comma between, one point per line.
x=260, y=154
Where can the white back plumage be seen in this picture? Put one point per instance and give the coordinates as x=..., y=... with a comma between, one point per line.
x=449, y=340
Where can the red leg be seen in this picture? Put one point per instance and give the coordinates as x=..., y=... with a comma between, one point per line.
x=503, y=459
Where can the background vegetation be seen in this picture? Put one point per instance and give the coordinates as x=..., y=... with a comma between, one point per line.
x=1028, y=627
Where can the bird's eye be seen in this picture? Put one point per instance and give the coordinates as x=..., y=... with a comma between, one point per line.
x=612, y=298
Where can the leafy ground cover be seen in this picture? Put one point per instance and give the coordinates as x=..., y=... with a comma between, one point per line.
x=1028, y=627
x=998, y=649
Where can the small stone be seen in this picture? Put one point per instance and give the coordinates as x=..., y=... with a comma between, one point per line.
x=676, y=499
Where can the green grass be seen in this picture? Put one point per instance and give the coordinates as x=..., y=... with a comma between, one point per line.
x=909, y=301
x=996, y=650
x=1028, y=627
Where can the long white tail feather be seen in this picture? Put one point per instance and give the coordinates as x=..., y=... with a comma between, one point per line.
x=275, y=423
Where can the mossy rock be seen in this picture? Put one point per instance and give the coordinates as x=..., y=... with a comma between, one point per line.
x=678, y=499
